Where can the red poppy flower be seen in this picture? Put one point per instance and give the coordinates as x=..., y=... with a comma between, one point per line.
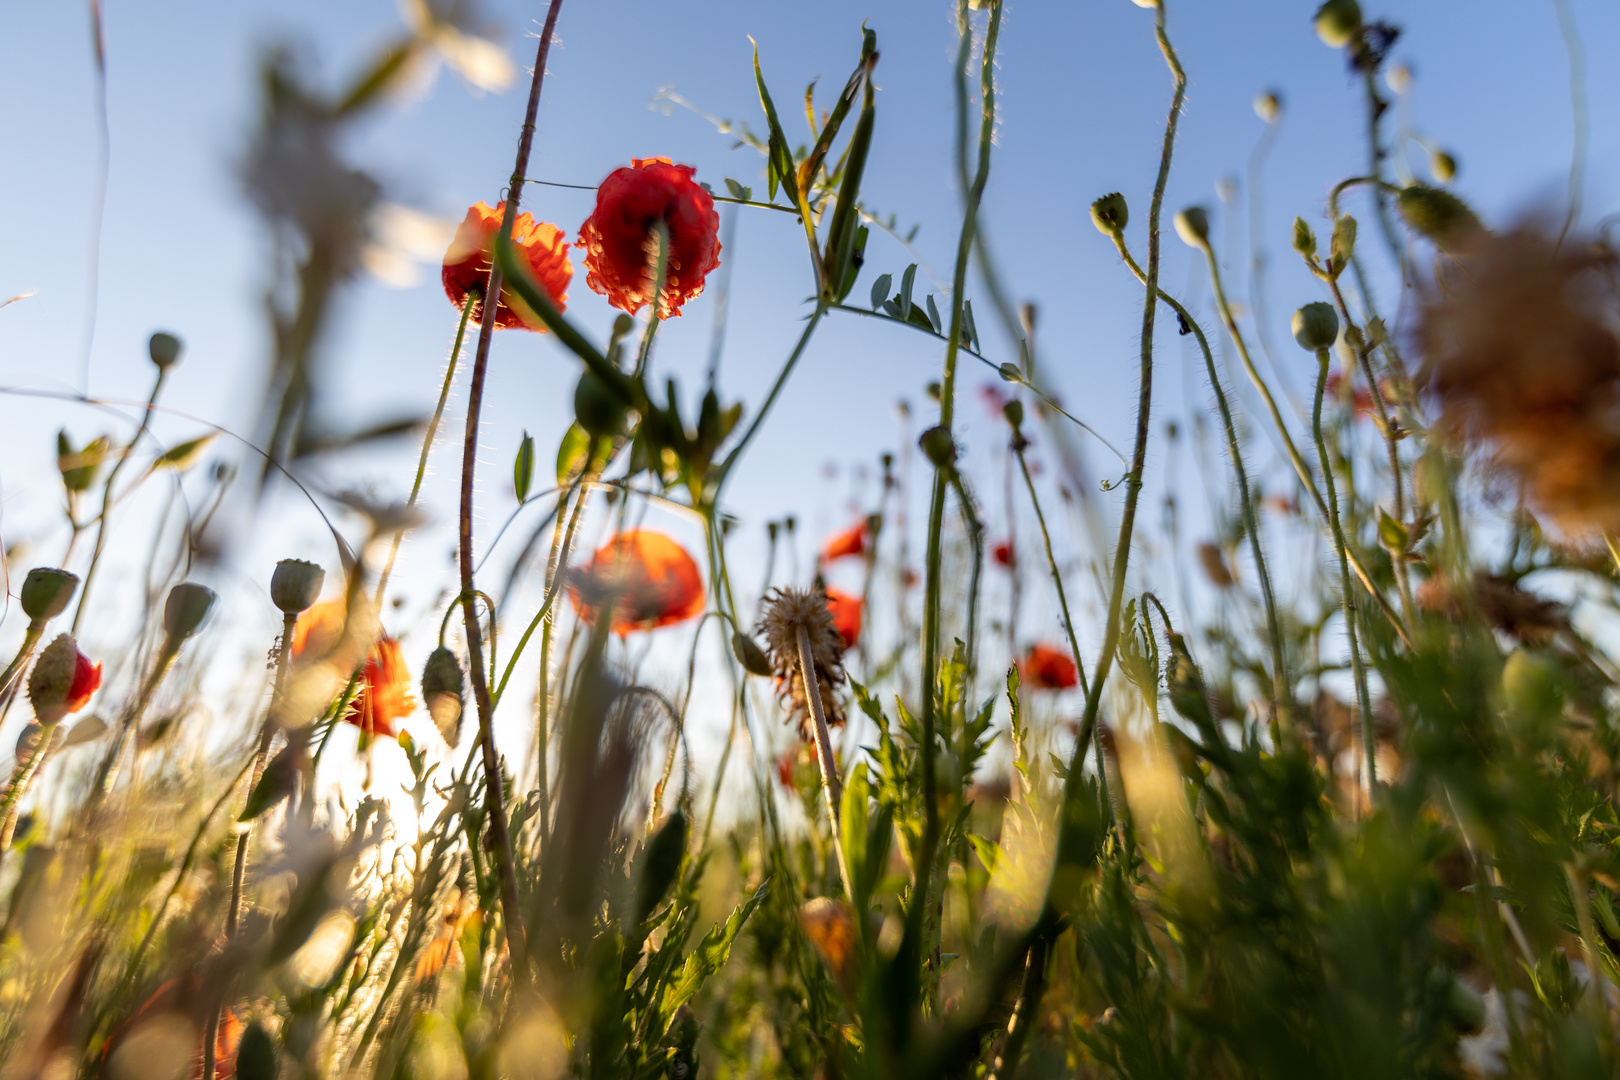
x=1045, y=668
x=63, y=680
x=466, y=265
x=182, y=995
x=846, y=614
x=620, y=239
x=786, y=766
x=648, y=578
x=1004, y=555
x=384, y=692
x=852, y=541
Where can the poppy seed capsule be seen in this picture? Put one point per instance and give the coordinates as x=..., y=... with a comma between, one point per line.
x=46, y=592
x=163, y=348
x=185, y=610
x=596, y=407
x=1192, y=225
x=296, y=585
x=1316, y=326
x=1110, y=214
x=938, y=446
x=1337, y=22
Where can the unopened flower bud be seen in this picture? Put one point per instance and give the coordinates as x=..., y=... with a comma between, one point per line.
x=1337, y=22
x=296, y=585
x=596, y=407
x=1192, y=225
x=1399, y=78
x=1437, y=215
x=1443, y=166
x=1012, y=372
x=1268, y=106
x=938, y=446
x=46, y=592
x=62, y=681
x=442, y=692
x=1014, y=412
x=750, y=655
x=1316, y=326
x=1110, y=213
x=185, y=611
x=164, y=349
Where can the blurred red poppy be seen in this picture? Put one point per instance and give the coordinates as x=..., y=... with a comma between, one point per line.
x=846, y=614
x=1004, y=555
x=466, y=265
x=620, y=240
x=384, y=691
x=648, y=578
x=63, y=680
x=1046, y=668
x=852, y=541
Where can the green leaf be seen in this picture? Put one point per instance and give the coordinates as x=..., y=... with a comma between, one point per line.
x=1392, y=535
x=933, y=315
x=907, y=280
x=970, y=332
x=779, y=159
x=738, y=191
x=185, y=455
x=277, y=782
x=708, y=957
x=573, y=453
x=523, y=467
x=988, y=851
x=880, y=290
x=852, y=831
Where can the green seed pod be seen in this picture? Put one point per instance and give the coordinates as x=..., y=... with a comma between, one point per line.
x=186, y=609
x=749, y=654
x=1110, y=213
x=296, y=585
x=1014, y=412
x=596, y=407
x=443, y=692
x=1443, y=166
x=1192, y=225
x=1337, y=22
x=1437, y=215
x=46, y=592
x=938, y=446
x=164, y=349
x=1268, y=106
x=1316, y=326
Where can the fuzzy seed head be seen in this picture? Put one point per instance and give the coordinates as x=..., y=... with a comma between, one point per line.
x=786, y=612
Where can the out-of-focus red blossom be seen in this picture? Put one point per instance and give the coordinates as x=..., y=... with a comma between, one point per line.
x=994, y=400
x=908, y=577
x=852, y=541
x=542, y=245
x=180, y=996
x=86, y=681
x=384, y=692
x=63, y=680
x=1004, y=555
x=1362, y=399
x=620, y=237
x=846, y=613
x=1045, y=668
x=648, y=578
x=1281, y=504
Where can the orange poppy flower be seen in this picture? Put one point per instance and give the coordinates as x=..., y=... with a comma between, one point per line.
x=1046, y=668
x=649, y=580
x=852, y=541
x=846, y=614
x=384, y=692
x=620, y=241
x=466, y=265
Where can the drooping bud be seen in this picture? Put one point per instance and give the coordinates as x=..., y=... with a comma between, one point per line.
x=1268, y=106
x=1110, y=213
x=938, y=447
x=296, y=585
x=186, y=609
x=1014, y=412
x=750, y=655
x=1443, y=166
x=46, y=592
x=62, y=681
x=1316, y=326
x=1337, y=22
x=1192, y=225
x=443, y=686
x=1437, y=215
x=164, y=349
x=596, y=407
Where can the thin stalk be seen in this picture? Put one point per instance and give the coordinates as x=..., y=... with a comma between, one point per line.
x=770, y=399
x=1597, y=987
x=107, y=499
x=1005, y=1065
x=494, y=796
x=36, y=630
x=1349, y=604
x=1051, y=561
x=238, y=872
x=832, y=785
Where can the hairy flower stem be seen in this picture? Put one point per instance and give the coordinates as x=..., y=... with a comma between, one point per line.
x=494, y=796
x=1133, y=485
x=432, y=433
x=283, y=660
x=107, y=499
x=1282, y=685
x=14, y=670
x=1346, y=597
x=832, y=785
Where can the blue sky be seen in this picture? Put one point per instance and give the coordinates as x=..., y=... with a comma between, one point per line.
x=1082, y=92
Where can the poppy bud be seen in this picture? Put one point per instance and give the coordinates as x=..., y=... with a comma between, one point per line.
x=938, y=446
x=596, y=407
x=163, y=348
x=1014, y=412
x=660, y=864
x=1192, y=225
x=1443, y=166
x=46, y=592
x=296, y=585
x=1399, y=78
x=1110, y=213
x=62, y=681
x=185, y=611
x=1316, y=326
x=442, y=689
x=750, y=655
x=1337, y=22
x=1268, y=106
x=1436, y=215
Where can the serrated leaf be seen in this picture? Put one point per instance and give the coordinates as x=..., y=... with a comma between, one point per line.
x=184, y=455
x=708, y=957
x=988, y=852
x=880, y=290
x=523, y=467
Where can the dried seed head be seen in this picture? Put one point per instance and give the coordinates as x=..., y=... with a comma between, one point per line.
x=786, y=611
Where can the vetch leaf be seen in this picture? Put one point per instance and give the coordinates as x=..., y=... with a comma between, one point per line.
x=523, y=467
x=880, y=290
x=907, y=280
x=185, y=455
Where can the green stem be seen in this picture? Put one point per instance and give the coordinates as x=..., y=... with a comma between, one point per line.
x=770, y=399
x=1051, y=562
